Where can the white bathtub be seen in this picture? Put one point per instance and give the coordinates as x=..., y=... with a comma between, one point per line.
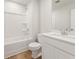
x=13, y=47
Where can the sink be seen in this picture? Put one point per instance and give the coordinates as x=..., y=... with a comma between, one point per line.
x=63, y=35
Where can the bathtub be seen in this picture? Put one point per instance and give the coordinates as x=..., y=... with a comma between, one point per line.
x=13, y=47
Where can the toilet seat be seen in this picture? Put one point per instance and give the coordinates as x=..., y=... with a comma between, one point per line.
x=34, y=45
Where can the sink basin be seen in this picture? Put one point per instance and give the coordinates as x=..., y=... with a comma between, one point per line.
x=63, y=35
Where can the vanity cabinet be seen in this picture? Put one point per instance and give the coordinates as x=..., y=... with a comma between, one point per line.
x=63, y=55
x=56, y=49
x=48, y=52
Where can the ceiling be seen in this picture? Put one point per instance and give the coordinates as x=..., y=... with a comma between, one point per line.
x=23, y=2
x=54, y=5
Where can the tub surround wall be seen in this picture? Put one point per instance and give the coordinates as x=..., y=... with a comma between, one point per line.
x=17, y=15
x=12, y=7
x=14, y=16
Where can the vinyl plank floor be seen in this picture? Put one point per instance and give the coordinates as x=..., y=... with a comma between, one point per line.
x=23, y=55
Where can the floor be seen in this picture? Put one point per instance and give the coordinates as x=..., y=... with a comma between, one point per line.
x=23, y=55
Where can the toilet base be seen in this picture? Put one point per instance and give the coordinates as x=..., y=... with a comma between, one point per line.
x=35, y=55
x=40, y=57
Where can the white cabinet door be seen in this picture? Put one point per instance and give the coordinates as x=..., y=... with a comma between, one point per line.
x=63, y=55
x=48, y=52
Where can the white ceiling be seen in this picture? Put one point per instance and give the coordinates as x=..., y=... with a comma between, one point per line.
x=23, y=2
x=62, y=3
x=54, y=5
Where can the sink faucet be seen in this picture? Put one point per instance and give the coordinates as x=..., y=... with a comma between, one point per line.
x=65, y=31
x=69, y=29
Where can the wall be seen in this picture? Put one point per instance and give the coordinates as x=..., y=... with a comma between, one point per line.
x=73, y=19
x=14, y=16
x=35, y=19
x=32, y=15
x=45, y=15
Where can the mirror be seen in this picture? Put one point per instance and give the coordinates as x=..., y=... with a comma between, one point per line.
x=63, y=14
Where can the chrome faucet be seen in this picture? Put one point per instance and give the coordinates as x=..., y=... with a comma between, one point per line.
x=66, y=31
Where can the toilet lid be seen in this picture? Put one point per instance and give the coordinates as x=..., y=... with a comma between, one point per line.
x=34, y=44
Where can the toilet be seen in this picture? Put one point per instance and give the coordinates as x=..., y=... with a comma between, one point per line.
x=35, y=47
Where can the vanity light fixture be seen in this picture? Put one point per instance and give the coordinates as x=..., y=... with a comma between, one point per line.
x=57, y=1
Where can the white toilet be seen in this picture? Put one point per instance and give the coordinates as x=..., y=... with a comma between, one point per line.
x=35, y=47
